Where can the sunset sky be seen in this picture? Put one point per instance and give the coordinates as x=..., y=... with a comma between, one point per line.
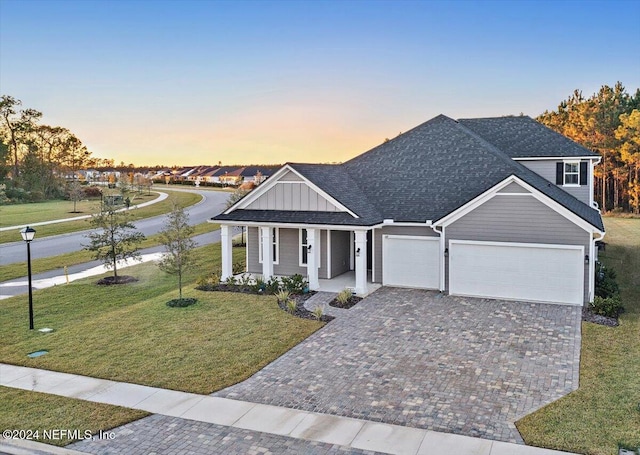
x=197, y=82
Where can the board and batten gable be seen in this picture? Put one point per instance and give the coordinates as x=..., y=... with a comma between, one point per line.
x=520, y=219
x=291, y=192
x=393, y=230
x=547, y=170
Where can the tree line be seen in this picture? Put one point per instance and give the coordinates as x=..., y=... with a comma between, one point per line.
x=608, y=123
x=35, y=159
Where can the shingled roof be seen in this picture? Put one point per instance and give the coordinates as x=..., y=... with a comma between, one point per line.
x=428, y=172
x=523, y=137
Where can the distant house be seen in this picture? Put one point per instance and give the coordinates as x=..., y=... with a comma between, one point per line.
x=232, y=178
x=258, y=174
x=208, y=175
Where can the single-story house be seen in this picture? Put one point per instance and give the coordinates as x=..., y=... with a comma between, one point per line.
x=489, y=207
x=258, y=174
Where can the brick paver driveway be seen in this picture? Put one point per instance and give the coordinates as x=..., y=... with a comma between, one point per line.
x=409, y=357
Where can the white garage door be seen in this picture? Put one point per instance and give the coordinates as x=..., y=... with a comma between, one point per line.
x=411, y=261
x=519, y=271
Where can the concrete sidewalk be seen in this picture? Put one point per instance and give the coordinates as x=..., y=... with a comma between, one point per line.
x=310, y=426
x=162, y=196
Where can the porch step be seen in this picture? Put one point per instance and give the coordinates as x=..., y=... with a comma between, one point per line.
x=322, y=299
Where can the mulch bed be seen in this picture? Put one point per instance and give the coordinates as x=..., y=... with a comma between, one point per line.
x=109, y=281
x=301, y=311
x=589, y=316
x=181, y=303
x=351, y=302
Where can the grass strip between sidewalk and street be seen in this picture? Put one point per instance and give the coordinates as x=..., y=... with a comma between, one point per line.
x=604, y=412
x=128, y=333
x=19, y=269
x=183, y=198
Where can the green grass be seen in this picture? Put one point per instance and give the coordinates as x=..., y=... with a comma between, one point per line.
x=23, y=213
x=61, y=413
x=605, y=411
x=128, y=333
x=19, y=269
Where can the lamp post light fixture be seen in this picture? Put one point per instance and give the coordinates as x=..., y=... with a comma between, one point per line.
x=28, y=234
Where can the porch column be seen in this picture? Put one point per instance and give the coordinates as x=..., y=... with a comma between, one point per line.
x=361, y=262
x=227, y=253
x=313, y=250
x=266, y=233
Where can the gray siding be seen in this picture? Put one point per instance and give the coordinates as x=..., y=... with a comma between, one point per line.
x=517, y=219
x=292, y=196
x=513, y=188
x=290, y=177
x=340, y=250
x=547, y=169
x=288, y=250
x=393, y=230
x=253, y=266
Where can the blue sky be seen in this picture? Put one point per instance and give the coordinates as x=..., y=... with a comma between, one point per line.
x=190, y=82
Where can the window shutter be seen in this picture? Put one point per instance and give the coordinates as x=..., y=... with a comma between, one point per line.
x=583, y=173
x=559, y=173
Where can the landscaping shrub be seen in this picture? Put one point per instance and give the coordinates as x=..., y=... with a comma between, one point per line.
x=272, y=286
x=606, y=306
x=606, y=284
x=344, y=296
x=283, y=295
x=292, y=305
x=92, y=192
x=295, y=284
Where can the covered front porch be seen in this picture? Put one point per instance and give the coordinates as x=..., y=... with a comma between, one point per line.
x=331, y=259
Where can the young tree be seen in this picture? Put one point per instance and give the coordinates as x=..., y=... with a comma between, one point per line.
x=115, y=237
x=176, y=238
x=236, y=196
x=76, y=193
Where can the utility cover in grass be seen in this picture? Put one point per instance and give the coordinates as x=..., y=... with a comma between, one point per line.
x=33, y=355
x=181, y=303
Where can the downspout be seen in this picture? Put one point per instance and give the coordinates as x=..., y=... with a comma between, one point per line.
x=592, y=265
x=441, y=233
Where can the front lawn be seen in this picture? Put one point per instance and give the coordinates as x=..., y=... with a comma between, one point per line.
x=127, y=332
x=605, y=411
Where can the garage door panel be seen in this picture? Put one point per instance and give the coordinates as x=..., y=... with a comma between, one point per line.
x=548, y=273
x=410, y=261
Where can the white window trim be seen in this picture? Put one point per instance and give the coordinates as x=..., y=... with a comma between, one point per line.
x=276, y=261
x=300, y=263
x=564, y=174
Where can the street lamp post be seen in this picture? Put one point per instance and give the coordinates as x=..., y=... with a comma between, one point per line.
x=27, y=235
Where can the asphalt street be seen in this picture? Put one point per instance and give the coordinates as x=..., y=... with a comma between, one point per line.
x=212, y=204
x=8, y=289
